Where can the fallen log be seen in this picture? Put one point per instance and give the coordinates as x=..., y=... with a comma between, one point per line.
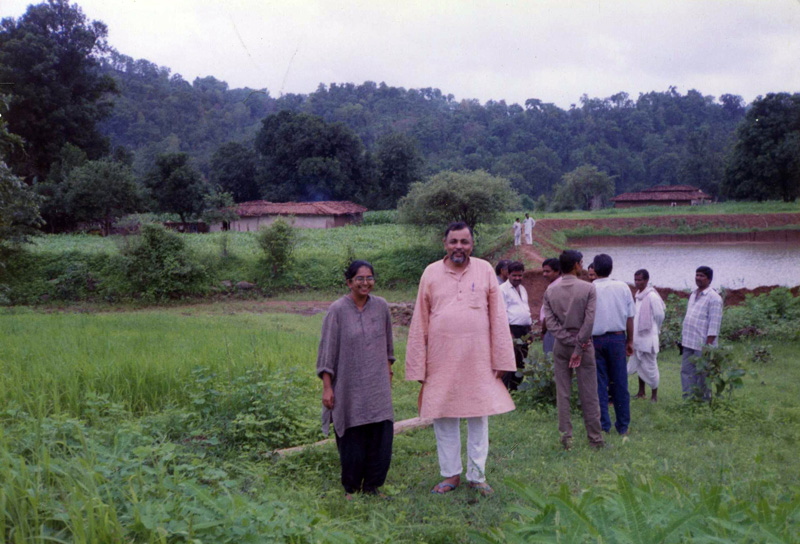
x=399, y=427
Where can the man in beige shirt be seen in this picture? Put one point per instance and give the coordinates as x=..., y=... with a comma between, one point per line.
x=569, y=308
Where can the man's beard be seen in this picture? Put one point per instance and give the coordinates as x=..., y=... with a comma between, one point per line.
x=458, y=258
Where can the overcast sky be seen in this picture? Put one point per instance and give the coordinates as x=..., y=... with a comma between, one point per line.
x=553, y=50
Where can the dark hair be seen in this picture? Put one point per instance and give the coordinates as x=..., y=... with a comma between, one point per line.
x=553, y=264
x=590, y=267
x=501, y=264
x=568, y=259
x=458, y=225
x=352, y=270
x=516, y=266
x=643, y=273
x=517, y=218
x=602, y=265
x=707, y=271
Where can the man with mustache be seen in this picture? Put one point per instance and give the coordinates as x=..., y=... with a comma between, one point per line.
x=459, y=347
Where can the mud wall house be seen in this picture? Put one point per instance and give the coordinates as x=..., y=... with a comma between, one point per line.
x=664, y=195
x=256, y=214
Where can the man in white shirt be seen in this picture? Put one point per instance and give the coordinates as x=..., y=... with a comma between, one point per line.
x=528, y=224
x=646, y=325
x=517, y=229
x=612, y=336
x=519, y=319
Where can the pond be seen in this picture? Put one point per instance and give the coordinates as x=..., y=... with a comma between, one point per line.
x=735, y=265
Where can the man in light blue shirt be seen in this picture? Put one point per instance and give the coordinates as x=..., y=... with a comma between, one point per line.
x=700, y=327
x=612, y=336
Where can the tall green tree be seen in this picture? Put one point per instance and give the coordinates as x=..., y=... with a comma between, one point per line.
x=584, y=188
x=765, y=161
x=233, y=169
x=101, y=191
x=473, y=197
x=49, y=63
x=399, y=164
x=177, y=186
x=305, y=158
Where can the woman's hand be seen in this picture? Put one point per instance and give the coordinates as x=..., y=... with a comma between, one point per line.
x=327, y=397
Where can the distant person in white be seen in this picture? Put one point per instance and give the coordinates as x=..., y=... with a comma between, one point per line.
x=528, y=224
x=517, y=228
x=650, y=310
x=519, y=319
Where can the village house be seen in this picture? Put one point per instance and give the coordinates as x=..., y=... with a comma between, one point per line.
x=311, y=215
x=663, y=195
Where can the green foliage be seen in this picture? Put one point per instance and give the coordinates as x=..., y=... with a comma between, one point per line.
x=765, y=161
x=672, y=327
x=19, y=211
x=776, y=313
x=399, y=164
x=641, y=509
x=722, y=373
x=101, y=191
x=278, y=242
x=49, y=61
x=158, y=266
x=305, y=158
x=762, y=354
x=233, y=168
x=539, y=386
x=380, y=217
x=472, y=197
x=177, y=186
x=219, y=207
x=585, y=188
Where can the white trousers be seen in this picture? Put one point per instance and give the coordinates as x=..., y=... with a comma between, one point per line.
x=529, y=238
x=517, y=238
x=448, y=444
x=646, y=365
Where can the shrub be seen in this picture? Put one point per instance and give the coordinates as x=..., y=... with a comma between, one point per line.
x=721, y=372
x=380, y=217
x=761, y=354
x=157, y=266
x=672, y=327
x=278, y=242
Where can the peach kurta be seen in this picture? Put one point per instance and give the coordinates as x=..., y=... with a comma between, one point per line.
x=459, y=336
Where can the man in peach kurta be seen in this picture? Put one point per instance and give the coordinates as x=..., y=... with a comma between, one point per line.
x=459, y=347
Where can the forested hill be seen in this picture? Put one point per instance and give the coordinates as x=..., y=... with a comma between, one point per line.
x=658, y=138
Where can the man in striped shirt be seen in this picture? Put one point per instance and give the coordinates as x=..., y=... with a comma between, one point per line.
x=700, y=327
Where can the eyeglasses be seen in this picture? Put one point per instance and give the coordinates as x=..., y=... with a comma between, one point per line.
x=363, y=279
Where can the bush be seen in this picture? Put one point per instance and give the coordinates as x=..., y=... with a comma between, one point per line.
x=278, y=242
x=721, y=372
x=157, y=266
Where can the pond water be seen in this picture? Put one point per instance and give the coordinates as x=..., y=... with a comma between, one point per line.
x=673, y=265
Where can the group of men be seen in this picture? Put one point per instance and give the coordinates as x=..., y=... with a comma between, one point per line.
x=527, y=226
x=460, y=350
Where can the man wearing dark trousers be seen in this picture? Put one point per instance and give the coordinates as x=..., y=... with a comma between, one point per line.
x=519, y=319
x=612, y=336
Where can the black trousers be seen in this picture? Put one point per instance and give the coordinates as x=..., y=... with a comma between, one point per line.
x=365, y=453
x=510, y=379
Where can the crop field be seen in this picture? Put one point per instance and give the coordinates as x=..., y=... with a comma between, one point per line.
x=157, y=426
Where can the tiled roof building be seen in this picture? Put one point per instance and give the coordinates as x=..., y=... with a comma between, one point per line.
x=663, y=195
x=315, y=215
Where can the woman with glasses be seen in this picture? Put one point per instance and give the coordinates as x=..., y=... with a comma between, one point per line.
x=355, y=363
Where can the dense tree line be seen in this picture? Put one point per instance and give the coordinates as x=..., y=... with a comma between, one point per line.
x=99, y=134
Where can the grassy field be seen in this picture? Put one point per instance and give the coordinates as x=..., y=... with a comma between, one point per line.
x=156, y=426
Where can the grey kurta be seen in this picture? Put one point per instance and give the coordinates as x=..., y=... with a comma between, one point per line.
x=354, y=349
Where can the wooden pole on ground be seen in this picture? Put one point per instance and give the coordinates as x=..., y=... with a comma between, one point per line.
x=399, y=427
